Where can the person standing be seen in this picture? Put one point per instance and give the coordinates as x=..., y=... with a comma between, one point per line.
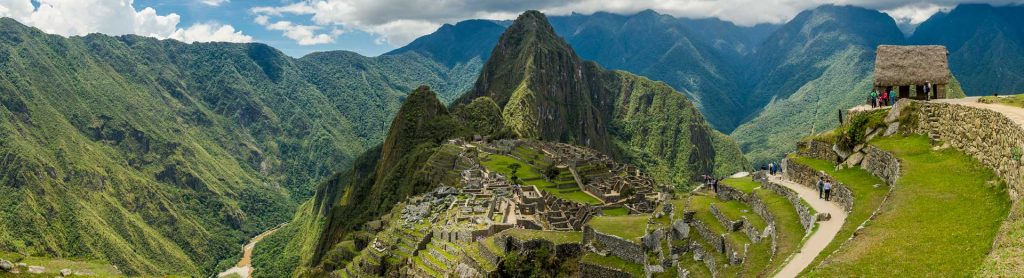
x=828, y=190
x=874, y=98
x=821, y=185
x=714, y=185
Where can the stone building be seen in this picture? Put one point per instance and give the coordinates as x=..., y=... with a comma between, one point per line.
x=909, y=69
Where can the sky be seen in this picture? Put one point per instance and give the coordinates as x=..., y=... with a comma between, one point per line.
x=373, y=27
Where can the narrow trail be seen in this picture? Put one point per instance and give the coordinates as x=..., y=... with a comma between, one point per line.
x=1015, y=114
x=244, y=266
x=826, y=232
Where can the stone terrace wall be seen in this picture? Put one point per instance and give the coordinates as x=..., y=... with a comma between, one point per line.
x=715, y=240
x=728, y=193
x=730, y=225
x=598, y=271
x=986, y=135
x=622, y=248
x=807, y=176
x=806, y=218
x=882, y=164
x=816, y=149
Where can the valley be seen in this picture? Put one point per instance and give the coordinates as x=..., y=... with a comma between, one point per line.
x=573, y=145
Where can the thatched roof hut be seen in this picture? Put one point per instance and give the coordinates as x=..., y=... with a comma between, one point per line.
x=897, y=65
x=910, y=68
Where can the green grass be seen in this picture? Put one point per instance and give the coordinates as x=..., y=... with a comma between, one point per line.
x=866, y=197
x=1012, y=100
x=616, y=211
x=941, y=219
x=629, y=227
x=555, y=237
x=634, y=269
x=742, y=184
x=529, y=175
x=789, y=231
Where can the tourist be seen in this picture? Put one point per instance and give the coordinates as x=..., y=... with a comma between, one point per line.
x=714, y=185
x=874, y=98
x=821, y=184
x=928, y=89
x=894, y=97
x=828, y=190
x=771, y=168
x=885, y=99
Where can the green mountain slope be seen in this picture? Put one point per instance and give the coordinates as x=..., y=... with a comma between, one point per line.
x=163, y=157
x=815, y=65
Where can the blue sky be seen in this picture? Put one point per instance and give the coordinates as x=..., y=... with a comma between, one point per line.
x=372, y=27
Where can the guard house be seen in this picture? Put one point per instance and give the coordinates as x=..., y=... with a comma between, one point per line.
x=908, y=69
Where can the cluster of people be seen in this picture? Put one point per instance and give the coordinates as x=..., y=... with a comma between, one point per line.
x=711, y=181
x=772, y=168
x=886, y=98
x=824, y=188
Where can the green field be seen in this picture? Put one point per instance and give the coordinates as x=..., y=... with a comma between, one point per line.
x=54, y=265
x=630, y=227
x=940, y=221
x=614, y=262
x=1013, y=100
x=866, y=197
x=530, y=175
x=787, y=225
x=744, y=184
x=555, y=237
x=617, y=211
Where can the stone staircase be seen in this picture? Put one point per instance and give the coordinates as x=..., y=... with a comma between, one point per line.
x=933, y=122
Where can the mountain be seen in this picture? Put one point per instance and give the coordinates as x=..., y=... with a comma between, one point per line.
x=454, y=44
x=985, y=45
x=703, y=58
x=533, y=86
x=814, y=66
x=162, y=157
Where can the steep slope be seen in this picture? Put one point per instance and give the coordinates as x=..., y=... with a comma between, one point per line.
x=547, y=92
x=163, y=157
x=985, y=45
x=815, y=65
x=702, y=58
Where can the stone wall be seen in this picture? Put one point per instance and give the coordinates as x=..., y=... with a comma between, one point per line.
x=599, y=271
x=729, y=225
x=715, y=240
x=817, y=150
x=807, y=219
x=728, y=193
x=988, y=136
x=622, y=248
x=882, y=164
x=807, y=176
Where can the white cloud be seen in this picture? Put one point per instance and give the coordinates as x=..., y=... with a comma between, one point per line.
x=302, y=34
x=214, y=3
x=208, y=32
x=112, y=17
x=397, y=22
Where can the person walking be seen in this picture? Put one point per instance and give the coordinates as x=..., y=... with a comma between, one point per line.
x=714, y=185
x=828, y=190
x=821, y=185
x=771, y=168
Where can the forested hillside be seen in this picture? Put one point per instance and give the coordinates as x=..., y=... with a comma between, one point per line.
x=163, y=157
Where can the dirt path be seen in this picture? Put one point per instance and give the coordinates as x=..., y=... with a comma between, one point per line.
x=244, y=266
x=826, y=232
x=1015, y=114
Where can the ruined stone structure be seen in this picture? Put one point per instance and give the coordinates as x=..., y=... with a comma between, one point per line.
x=807, y=176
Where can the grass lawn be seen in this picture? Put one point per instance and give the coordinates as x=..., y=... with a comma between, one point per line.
x=529, y=175
x=866, y=198
x=555, y=237
x=940, y=221
x=617, y=211
x=743, y=184
x=630, y=227
x=787, y=225
x=634, y=269
x=1012, y=100
x=757, y=255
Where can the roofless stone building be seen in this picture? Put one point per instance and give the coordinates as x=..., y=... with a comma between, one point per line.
x=908, y=69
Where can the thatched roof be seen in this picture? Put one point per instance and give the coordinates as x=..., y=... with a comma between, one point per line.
x=897, y=65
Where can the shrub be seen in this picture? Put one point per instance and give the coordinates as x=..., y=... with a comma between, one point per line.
x=854, y=131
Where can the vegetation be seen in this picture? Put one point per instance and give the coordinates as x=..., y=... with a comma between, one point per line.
x=616, y=211
x=555, y=237
x=868, y=193
x=529, y=175
x=744, y=184
x=854, y=132
x=1012, y=100
x=932, y=224
x=614, y=262
x=626, y=226
x=790, y=231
